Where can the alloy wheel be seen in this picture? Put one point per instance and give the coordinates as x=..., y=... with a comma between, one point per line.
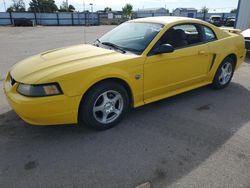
x=108, y=107
x=226, y=73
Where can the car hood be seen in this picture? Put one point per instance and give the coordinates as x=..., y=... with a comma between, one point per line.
x=246, y=33
x=63, y=61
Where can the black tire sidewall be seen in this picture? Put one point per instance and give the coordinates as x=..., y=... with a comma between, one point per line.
x=216, y=83
x=86, y=115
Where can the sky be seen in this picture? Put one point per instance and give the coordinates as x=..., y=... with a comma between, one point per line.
x=213, y=5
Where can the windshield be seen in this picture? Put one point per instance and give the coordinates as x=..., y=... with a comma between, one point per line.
x=216, y=18
x=134, y=37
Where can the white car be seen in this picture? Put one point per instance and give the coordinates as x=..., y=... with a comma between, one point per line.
x=246, y=35
x=216, y=20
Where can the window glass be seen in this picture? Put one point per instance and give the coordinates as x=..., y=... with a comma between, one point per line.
x=209, y=34
x=181, y=36
x=132, y=36
x=187, y=28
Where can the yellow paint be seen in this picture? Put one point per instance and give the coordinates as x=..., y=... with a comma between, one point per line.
x=77, y=68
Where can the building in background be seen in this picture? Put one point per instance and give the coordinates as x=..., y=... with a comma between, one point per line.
x=243, y=15
x=151, y=12
x=185, y=12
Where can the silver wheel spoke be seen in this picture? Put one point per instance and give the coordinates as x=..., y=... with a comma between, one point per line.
x=99, y=108
x=116, y=111
x=105, y=97
x=116, y=98
x=104, y=117
x=226, y=73
x=110, y=104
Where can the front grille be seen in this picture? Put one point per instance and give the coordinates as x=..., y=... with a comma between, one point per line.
x=247, y=38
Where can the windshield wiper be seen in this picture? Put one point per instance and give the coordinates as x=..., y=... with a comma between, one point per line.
x=97, y=42
x=114, y=46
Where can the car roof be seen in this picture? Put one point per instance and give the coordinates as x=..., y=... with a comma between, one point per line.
x=215, y=16
x=165, y=19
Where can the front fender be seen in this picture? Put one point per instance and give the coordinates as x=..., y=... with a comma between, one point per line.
x=77, y=84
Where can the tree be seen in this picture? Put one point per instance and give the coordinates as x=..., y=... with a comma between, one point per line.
x=42, y=6
x=17, y=6
x=10, y=9
x=234, y=10
x=127, y=10
x=204, y=10
x=64, y=7
x=107, y=9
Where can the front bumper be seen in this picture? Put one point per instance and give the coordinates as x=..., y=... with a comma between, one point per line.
x=51, y=110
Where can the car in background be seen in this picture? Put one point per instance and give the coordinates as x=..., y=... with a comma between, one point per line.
x=230, y=21
x=246, y=35
x=216, y=20
x=23, y=22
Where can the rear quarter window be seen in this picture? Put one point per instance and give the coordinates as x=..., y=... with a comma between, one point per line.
x=209, y=34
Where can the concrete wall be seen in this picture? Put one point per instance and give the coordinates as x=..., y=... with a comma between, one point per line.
x=243, y=16
x=60, y=18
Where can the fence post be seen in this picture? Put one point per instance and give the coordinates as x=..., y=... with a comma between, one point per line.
x=11, y=21
x=204, y=16
x=98, y=18
x=57, y=16
x=85, y=18
x=35, y=17
x=78, y=16
x=72, y=18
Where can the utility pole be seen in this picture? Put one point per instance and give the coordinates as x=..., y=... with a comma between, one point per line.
x=4, y=4
x=92, y=15
x=83, y=5
x=67, y=2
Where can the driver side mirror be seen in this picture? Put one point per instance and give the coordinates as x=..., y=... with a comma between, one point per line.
x=164, y=48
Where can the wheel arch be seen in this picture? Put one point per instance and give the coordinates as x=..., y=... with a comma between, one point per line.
x=121, y=81
x=222, y=58
x=233, y=56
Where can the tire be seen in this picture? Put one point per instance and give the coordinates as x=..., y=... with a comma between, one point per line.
x=104, y=105
x=224, y=74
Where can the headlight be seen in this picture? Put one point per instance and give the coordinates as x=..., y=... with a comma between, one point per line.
x=40, y=90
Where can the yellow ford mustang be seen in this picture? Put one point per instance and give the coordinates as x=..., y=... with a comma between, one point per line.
x=138, y=62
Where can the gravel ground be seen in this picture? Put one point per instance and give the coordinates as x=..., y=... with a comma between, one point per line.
x=197, y=139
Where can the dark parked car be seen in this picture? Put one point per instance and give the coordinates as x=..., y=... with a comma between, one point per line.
x=216, y=20
x=230, y=21
x=23, y=22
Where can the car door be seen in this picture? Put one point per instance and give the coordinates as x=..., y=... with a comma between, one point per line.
x=170, y=73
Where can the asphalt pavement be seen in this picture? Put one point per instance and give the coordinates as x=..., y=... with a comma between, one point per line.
x=197, y=139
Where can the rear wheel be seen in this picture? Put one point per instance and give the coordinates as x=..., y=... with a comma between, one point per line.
x=104, y=105
x=224, y=74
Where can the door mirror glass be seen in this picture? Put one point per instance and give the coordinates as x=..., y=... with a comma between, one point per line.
x=164, y=48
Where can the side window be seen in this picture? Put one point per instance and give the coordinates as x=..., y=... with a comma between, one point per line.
x=181, y=36
x=209, y=34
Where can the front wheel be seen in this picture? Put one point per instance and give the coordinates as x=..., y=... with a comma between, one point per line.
x=104, y=105
x=224, y=74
